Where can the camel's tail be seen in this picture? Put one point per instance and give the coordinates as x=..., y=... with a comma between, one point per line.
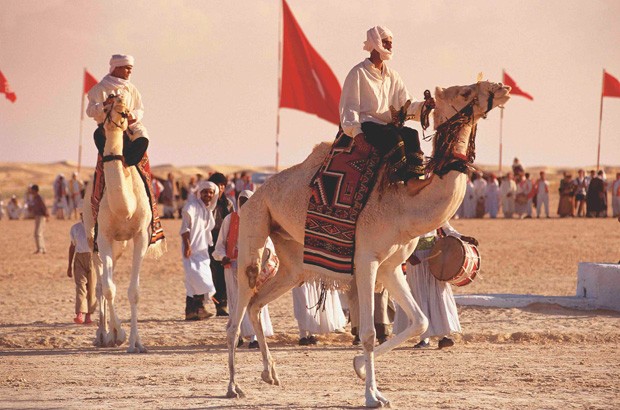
x=157, y=249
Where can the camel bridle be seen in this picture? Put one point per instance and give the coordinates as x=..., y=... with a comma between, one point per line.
x=124, y=114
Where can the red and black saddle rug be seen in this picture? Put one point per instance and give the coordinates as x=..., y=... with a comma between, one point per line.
x=340, y=189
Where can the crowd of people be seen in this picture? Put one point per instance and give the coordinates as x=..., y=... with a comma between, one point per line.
x=516, y=194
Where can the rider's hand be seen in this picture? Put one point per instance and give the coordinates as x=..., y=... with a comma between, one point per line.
x=469, y=239
x=109, y=100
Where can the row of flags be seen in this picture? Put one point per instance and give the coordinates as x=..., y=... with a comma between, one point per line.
x=611, y=86
x=89, y=82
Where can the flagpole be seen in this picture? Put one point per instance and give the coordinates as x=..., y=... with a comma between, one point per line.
x=277, y=168
x=79, y=166
x=600, y=122
x=501, y=128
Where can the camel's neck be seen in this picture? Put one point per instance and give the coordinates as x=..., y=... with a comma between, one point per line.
x=435, y=204
x=118, y=181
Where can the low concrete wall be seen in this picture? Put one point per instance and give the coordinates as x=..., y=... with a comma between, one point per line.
x=598, y=287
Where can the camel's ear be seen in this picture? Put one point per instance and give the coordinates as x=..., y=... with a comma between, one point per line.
x=439, y=92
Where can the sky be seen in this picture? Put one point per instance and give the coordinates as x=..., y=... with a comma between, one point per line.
x=208, y=73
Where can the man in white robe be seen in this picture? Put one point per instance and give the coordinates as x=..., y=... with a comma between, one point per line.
x=197, y=223
x=13, y=210
x=312, y=317
x=615, y=196
x=491, y=196
x=508, y=192
x=369, y=90
x=480, y=186
x=226, y=251
x=542, y=195
x=434, y=297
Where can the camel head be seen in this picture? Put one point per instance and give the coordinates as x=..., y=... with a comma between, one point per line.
x=483, y=95
x=116, y=115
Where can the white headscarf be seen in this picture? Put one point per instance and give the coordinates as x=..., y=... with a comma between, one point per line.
x=246, y=194
x=373, y=41
x=202, y=185
x=120, y=60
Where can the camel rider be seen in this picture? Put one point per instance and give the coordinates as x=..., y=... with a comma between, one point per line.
x=369, y=90
x=102, y=95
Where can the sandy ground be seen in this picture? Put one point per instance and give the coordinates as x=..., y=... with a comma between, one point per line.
x=540, y=357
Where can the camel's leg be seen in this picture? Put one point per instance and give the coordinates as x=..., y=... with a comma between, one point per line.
x=282, y=282
x=365, y=282
x=233, y=328
x=398, y=287
x=102, y=326
x=116, y=335
x=140, y=244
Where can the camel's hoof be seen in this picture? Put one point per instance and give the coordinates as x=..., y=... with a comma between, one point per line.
x=384, y=401
x=234, y=392
x=99, y=341
x=121, y=336
x=359, y=365
x=266, y=376
x=373, y=403
x=133, y=350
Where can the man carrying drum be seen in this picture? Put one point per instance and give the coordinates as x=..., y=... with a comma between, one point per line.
x=434, y=297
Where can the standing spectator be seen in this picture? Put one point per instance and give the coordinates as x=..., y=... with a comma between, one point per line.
x=183, y=195
x=81, y=269
x=29, y=203
x=75, y=195
x=226, y=251
x=469, y=200
x=1, y=209
x=383, y=314
x=566, y=206
x=168, y=196
x=41, y=216
x=157, y=187
x=615, y=196
x=542, y=194
x=492, y=196
x=238, y=182
x=13, y=209
x=60, y=207
x=247, y=182
x=192, y=185
x=517, y=168
x=196, y=237
x=596, y=197
x=480, y=186
x=508, y=192
x=312, y=318
x=581, y=189
x=434, y=297
x=223, y=207
x=524, y=187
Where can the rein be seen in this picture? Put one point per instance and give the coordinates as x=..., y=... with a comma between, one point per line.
x=124, y=115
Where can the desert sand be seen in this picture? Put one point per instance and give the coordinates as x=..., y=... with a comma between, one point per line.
x=539, y=357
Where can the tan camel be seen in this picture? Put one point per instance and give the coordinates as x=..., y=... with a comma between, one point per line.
x=124, y=214
x=387, y=232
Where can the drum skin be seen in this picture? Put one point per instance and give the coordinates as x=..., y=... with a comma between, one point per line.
x=454, y=261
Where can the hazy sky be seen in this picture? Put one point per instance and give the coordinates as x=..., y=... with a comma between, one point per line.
x=208, y=72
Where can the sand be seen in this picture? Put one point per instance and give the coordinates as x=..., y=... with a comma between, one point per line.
x=539, y=357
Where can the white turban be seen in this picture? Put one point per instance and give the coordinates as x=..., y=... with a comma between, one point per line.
x=373, y=41
x=246, y=193
x=202, y=185
x=120, y=60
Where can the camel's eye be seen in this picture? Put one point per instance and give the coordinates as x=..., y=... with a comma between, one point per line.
x=465, y=94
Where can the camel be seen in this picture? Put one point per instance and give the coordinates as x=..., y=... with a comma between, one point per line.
x=124, y=214
x=386, y=234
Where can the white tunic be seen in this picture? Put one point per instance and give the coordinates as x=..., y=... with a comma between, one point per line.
x=230, y=275
x=78, y=238
x=434, y=297
x=113, y=85
x=312, y=319
x=508, y=191
x=367, y=94
x=198, y=221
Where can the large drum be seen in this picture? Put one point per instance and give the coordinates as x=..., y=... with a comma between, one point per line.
x=454, y=261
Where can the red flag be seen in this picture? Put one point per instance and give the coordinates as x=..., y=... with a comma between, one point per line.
x=5, y=89
x=611, y=85
x=308, y=84
x=515, y=88
x=89, y=81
